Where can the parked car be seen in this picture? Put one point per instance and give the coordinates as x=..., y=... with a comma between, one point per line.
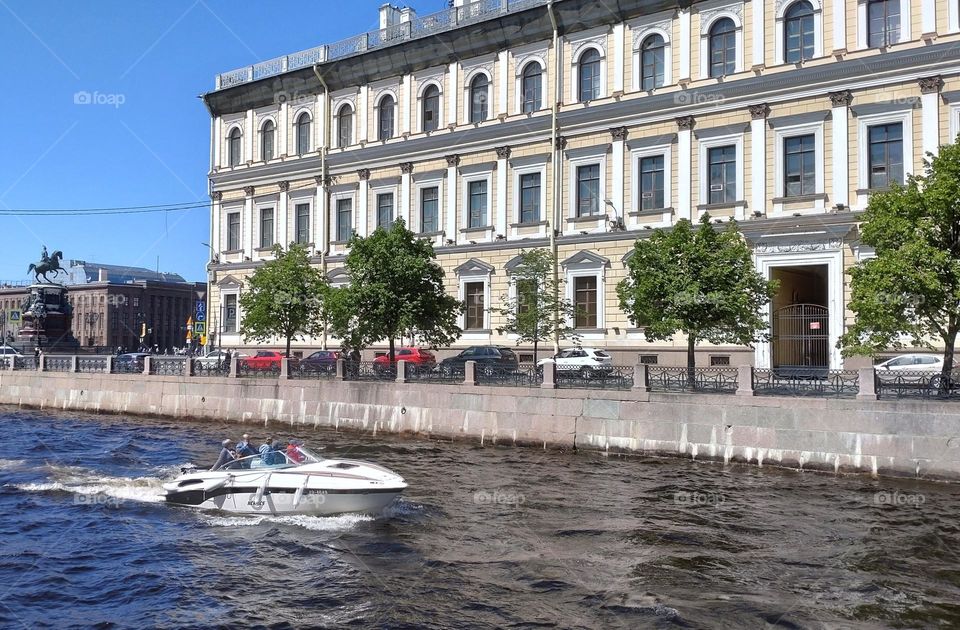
x=216, y=357
x=8, y=351
x=130, y=362
x=489, y=359
x=424, y=360
x=584, y=362
x=320, y=361
x=922, y=369
x=267, y=360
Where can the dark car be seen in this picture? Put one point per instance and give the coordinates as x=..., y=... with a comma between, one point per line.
x=320, y=361
x=489, y=359
x=130, y=362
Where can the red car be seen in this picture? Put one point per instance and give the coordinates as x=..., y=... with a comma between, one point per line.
x=423, y=359
x=266, y=360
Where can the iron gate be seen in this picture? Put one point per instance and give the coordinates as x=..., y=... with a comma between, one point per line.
x=801, y=338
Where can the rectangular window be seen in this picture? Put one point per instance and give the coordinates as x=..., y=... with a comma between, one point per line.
x=883, y=23
x=344, y=220
x=230, y=313
x=303, y=223
x=429, y=209
x=526, y=296
x=474, y=294
x=266, y=227
x=478, y=203
x=648, y=359
x=385, y=211
x=799, y=166
x=585, y=301
x=651, y=182
x=719, y=360
x=723, y=174
x=588, y=190
x=530, y=198
x=886, y=155
x=233, y=231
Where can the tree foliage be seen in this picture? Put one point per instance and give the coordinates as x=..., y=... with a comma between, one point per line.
x=537, y=311
x=284, y=298
x=701, y=282
x=911, y=289
x=396, y=288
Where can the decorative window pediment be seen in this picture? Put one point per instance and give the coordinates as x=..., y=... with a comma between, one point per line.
x=474, y=267
x=230, y=282
x=585, y=260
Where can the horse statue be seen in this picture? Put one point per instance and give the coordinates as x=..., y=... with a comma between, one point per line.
x=47, y=264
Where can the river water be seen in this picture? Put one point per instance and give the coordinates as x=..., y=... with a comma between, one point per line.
x=484, y=537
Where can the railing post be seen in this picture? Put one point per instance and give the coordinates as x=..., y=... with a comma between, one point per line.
x=109, y=368
x=401, y=371
x=146, y=365
x=234, y=367
x=12, y=364
x=867, y=384
x=41, y=362
x=73, y=364
x=284, y=369
x=341, y=369
x=188, y=368
x=470, y=373
x=549, y=375
x=745, y=380
x=641, y=383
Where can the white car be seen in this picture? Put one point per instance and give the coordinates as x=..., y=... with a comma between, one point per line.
x=219, y=356
x=584, y=362
x=8, y=351
x=912, y=363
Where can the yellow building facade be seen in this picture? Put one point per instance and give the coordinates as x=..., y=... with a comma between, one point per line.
x=499, y=126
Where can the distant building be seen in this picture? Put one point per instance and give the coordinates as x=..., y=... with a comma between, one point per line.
x=83, y=272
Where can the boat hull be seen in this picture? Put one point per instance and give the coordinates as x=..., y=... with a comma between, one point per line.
x=273, y=502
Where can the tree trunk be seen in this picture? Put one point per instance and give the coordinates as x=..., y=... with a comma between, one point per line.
x=946, y=373
x=289, y=337
x=691, y=360
x=391, y=350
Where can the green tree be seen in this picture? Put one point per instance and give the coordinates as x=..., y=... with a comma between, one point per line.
x=701, y=282
x=536, y=312
x=396, y=287
x=912, y=287
x=284, y=298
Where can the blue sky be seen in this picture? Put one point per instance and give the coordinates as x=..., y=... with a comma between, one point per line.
x=148, y=141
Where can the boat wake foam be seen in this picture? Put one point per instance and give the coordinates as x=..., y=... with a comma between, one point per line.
x=313, y=523
x=96, y=487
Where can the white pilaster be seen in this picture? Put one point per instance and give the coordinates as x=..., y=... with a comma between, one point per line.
x=217, y=139
x=502, y=179
x=362, y=105
x=839, y=25
x=758, y=165
x=283, y=128
x=617, y=196
x=453, y=90
x=406, y=90
x=247, y=228
x=320, y=214
x=684, y=160
x=841, y=152
x=283, y=222
x=685, y=44
x=248, y=137
x=216, y=225
x=363, y=207
x=405, y=197
x=930, y=122
x=450, y=207
x=928, y=21
x=503, y=82
x=618, y=52
x=322, y=120
x=758, y=32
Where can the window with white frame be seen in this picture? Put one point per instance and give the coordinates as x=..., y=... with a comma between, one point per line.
x=721, y=41
x=302, y=223
x=430, y=108
x=885, y=152
x=478, y=98
x=798, y=160
x=344, y=219
x=721, y=169
x=477, y=202
x=587, y=183
x=584, y=278
x=531, y=197
x=585, y=301
x=234, y=146
x=266, y=228
x=267, y=137
x=590, y=75
x=651, y=168
x=385, y=213
x=302, y=133
x=345, y=125
x=233, y=231
x=588, y=190
x=474, y=280
x=386, y=117
x=653, y=62
x=531, y=87
x=230, y=312
x=882, y=23
x=798, y=32
x=429, y=209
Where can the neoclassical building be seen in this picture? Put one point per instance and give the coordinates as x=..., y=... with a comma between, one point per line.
x=502, y=125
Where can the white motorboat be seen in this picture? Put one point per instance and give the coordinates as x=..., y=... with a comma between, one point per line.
x=296, y=483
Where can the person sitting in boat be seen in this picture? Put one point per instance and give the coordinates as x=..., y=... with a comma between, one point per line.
x=227, y=457
x=293, y=452
x=266, y=452
x=245, y=448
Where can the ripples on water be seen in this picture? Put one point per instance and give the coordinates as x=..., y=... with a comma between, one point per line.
x=485, y=537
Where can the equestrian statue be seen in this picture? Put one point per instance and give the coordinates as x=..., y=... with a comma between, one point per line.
x=47, y=264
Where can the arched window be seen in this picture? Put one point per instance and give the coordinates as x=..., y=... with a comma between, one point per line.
x=479, y=97
x=652, y=63
x=723, y=48
x=531, y=86
x=431, y=108
x=345, y=126
x=234, y=147
x=883, y=23
x=303, y=133
x=798, y=38
x=386, y=118
x=589, y=75
x=266, y=141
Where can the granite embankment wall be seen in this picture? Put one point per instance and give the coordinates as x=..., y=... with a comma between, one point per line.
x=915, y=439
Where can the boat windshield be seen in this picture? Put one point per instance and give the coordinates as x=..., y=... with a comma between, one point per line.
x=293, y=456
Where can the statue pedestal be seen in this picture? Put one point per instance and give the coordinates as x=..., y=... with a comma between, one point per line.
x=47, y=321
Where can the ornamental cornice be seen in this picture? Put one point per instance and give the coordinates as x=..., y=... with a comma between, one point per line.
x=521, y=60
x=599, y=41
x=641, y=32
x=843, y=98
x=736, y=8
x=930, y=85
x=798, y=246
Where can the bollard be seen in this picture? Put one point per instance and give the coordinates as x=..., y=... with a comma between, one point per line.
x=189, y=371
x=40, y=362
x=470, y=373
x=745, y=380
x=401, y=371
x=549, y=375
x=73, y=364
x=867, y=383
x=284, y=369
x=640, y=382
x=109, y=367
x=341, y=369
x=146, y=365
x=234, y=367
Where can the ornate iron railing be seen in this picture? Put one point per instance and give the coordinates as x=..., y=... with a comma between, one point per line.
x=835, y=383
x=423, y=374
x=616, y=377
x=168, y=366
x=311, y=370
x=25, y=363
x=57, y=364
x=127, y=367
x=91, y=364
x=5, y=362
x=707, y=379
x=917, y=384
x=418, y=27
x=211, y=367
x=368, y=371
x=524, y=375
x=245, y=370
